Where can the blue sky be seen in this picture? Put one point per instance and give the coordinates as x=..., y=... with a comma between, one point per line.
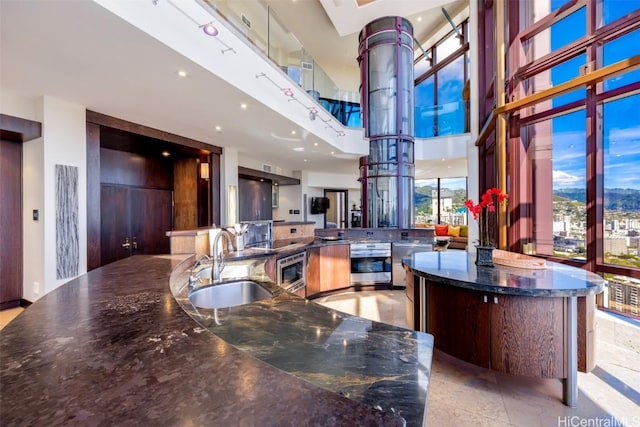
x=621, y=130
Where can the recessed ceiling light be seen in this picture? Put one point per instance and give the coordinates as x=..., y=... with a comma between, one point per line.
x=209, y=29
x=298, y=149
x=243, y=106
x=315, y=144
x=218, y=128
x=333, y=152
x=419, y=19
x=293, y=132
x=304, y=160
x=182, y=73
x=166, y=153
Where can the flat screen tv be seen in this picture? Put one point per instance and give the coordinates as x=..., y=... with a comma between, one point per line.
x=319, y=205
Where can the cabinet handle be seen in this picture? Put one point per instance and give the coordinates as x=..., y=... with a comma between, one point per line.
x=126, y=243
x=484, y=298
x=134, y=244
x=495, y=300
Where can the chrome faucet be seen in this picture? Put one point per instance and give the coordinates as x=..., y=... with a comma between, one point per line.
x=218, y=256
x=193, y=280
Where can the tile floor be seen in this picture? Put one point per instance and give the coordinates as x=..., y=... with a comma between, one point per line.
x=462, y=394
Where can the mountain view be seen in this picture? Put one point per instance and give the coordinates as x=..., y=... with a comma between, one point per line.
x=615, y=199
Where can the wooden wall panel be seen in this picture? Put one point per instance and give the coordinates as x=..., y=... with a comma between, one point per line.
x=124, y=168
x=93, y=197
x=527, y=336
x=185, y=180
x=11, y=220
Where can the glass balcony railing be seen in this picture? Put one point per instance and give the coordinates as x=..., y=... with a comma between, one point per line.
x=262, y=28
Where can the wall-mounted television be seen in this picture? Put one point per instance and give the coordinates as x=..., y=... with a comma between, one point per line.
x=319, y=205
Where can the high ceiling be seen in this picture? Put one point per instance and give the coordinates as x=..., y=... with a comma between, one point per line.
x=80, y=52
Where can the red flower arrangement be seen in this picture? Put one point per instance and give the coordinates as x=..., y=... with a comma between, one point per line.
x=480, y=211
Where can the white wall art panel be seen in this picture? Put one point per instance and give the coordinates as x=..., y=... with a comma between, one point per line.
x=67, y=234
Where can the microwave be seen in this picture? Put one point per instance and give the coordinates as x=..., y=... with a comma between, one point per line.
x=290, y=271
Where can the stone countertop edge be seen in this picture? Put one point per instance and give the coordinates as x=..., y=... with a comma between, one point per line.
x=113, y=347
x=457, y=268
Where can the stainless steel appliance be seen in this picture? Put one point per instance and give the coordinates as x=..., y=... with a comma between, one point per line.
x=259, y=234
x=290, y=272
x=370, y=263
x=399, y=250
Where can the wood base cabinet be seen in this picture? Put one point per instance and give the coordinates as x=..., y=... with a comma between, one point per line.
x=513, y=334
x=328, y=269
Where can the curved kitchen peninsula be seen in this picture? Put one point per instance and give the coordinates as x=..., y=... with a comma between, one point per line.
x=113, y=347
x=537, y=323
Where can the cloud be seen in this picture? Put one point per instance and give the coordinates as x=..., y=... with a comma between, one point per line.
x=563, y=179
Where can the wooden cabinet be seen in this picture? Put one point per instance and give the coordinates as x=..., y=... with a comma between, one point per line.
x=134, y=221
x=459, y=321
x=513, y=334
x=254, y=199
x=328, y=268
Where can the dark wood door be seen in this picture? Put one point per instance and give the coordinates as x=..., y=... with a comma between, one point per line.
x=115, y=227
x=11, y=223
x=134, y=221
x=151, y=218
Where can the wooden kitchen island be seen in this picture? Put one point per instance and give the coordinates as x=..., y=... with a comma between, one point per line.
x=536, y=323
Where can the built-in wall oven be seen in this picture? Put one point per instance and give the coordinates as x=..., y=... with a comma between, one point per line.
x=370, y=263
x=290, y=272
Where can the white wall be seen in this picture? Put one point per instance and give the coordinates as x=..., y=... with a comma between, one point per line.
x=289, y=199
x=332, y=180
x=228, y=177
x=33, y=231
x=65, y=139
x=63, y=142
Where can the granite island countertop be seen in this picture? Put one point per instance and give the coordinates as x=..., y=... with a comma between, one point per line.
x=113, y=347
x=457, y=268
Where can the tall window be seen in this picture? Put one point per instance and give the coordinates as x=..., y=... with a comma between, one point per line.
x=440, y=93
x=582, y=145
x=621, y=204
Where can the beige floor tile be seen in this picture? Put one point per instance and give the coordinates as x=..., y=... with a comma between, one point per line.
x=461, y=394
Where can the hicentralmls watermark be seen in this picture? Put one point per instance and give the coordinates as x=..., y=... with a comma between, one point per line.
x=577, y=421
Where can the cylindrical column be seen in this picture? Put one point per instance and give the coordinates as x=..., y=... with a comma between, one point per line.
x=387, y=173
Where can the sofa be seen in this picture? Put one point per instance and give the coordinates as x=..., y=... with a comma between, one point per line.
x=458, y=235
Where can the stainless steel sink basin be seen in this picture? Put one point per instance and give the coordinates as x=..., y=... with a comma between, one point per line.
x=228, y=294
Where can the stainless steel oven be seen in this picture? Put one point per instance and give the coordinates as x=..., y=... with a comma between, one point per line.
x=291, y=272
x=370, y=263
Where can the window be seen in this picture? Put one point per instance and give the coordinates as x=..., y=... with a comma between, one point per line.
x=615, y=9
x=440, y=107
x=560, y=34
x=621, y=202
x=441, y=200
x=557, y=152
x=425, y=104
x=584, y=145
x=617, y=50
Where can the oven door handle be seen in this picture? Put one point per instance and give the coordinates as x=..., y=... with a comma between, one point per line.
x=370, y=254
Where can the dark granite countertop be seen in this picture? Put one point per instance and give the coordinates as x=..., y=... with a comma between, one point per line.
x=457, y=268
x=113, y=347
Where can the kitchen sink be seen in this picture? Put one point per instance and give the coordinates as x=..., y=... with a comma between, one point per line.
x=228, y=294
